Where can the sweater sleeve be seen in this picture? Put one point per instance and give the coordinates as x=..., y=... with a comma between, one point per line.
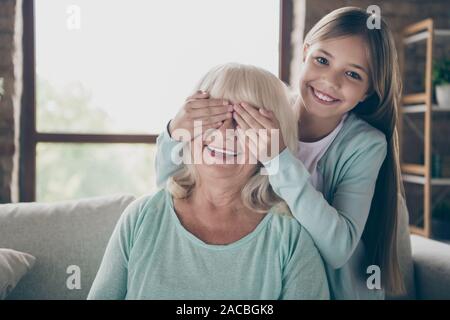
x=167, y=148
x=110, y=283
x=337, y=228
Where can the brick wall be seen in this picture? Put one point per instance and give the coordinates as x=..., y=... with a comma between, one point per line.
x=10, y=71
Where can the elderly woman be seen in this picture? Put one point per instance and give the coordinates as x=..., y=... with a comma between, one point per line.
x=217, y=230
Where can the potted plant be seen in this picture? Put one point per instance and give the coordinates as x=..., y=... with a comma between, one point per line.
x=441, y=81
x=441, y=220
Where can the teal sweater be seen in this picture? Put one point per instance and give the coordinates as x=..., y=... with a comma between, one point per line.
x=150, y=255
x=336, y=216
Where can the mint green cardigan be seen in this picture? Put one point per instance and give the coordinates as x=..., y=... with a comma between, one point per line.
x=336, y=216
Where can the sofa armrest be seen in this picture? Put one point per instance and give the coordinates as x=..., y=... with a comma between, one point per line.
x=432, y=268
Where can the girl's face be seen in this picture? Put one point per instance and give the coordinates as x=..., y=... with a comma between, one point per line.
x=334, y=76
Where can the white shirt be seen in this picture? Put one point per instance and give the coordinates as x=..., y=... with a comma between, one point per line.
x=311, y=152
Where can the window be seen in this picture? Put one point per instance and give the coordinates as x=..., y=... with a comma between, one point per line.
x=107, y=75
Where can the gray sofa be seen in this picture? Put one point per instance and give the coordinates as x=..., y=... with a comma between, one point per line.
x=75, y=233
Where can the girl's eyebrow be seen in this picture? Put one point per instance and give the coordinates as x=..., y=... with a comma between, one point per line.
x=326, y=53
x=357, y=66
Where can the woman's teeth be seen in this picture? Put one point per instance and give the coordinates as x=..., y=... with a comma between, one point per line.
x=323, y=97
x=220, y=152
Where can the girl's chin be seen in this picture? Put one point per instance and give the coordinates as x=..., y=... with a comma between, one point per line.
x=314, y=108
x=321, y=110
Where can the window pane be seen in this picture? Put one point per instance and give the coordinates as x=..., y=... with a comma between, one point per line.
x=116, y=66
x=72, y=171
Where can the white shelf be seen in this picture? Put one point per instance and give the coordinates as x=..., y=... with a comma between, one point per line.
x=420, y=108
x=424, y=35
x=440, y=182
x=421, y=180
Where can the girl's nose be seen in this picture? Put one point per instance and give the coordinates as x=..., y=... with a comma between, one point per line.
x=332, y=79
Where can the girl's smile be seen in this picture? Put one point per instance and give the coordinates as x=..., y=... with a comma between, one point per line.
x=322, y=97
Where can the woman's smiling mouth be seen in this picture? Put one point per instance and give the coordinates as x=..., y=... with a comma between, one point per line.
x=218, y=152
x=322, y=97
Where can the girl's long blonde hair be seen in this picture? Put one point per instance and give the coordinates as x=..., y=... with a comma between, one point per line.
x=258, y=87
x=379, y=110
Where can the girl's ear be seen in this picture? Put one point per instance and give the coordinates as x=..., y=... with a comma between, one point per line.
x=305, y=51
x=368, y=94
x=364, y=97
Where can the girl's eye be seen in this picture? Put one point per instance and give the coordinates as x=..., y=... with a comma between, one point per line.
x=354, y=75
x=322, y=60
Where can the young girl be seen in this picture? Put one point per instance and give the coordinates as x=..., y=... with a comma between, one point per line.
x=343, y=184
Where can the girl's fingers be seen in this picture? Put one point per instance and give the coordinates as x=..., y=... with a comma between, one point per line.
x=266, y=113
x=216, y=118
x=203, y=113
x=240, y=121
x=258, y=115
x=212, y=126
x=271, y=116
x=198, y=95
x=202, y=103
x=248, y=118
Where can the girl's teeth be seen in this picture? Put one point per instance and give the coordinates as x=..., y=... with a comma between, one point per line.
x=323, y=97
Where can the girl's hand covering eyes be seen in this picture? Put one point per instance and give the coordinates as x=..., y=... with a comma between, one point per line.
x=207, y=114
x=256, y=129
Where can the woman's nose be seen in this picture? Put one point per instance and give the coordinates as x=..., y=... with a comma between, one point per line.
x=229, y=124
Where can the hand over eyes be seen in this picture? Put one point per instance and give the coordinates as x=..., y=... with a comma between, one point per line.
x=199, y=111
x=257, y=127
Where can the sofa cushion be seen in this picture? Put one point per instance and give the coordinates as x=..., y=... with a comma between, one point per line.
x=432, y=268
x=68, y=240
x=13, y=266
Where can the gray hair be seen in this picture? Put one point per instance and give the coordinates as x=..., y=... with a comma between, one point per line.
x=258, y=87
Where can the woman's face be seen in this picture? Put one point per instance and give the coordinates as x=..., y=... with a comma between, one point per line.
x=334, y=76
x=222, y=155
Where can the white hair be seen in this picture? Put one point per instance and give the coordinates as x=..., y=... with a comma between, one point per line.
x=260, y=88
